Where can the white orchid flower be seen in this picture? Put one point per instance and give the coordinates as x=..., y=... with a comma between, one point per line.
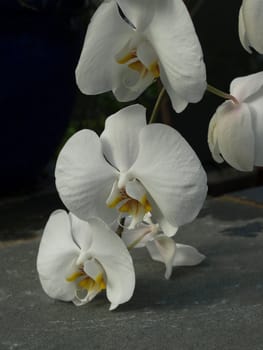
x=236, y=129
x=134, y=167
x=77, y=259
x=119, y=58
x=251, y=25
x=160, y=247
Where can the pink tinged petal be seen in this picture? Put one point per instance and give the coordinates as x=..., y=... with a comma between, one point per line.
x=57, y=257
x=187, y=255
x=171, y=173
x=235, y=137
x=138, y=12
x=244, y=88
x=181, y=64
x=251, y=23
x=120, y=136
x=83, y=177
x=97, y=69
x=110, y=251
x=163, y=249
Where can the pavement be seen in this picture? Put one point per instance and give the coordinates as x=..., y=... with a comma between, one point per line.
x=216, y=305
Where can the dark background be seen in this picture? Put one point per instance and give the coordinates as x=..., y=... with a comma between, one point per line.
x=40, y=105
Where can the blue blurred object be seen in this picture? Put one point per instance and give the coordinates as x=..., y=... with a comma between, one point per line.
x=39, y=52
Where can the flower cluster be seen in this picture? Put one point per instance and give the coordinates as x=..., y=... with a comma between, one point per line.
x=137, y=183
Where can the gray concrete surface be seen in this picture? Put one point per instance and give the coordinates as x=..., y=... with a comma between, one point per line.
x=217, y=305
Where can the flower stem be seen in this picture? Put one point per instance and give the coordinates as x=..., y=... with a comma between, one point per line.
x=157, y=106
x=221, y=93
x=120, y=227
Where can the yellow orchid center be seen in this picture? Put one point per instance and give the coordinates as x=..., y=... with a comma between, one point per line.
x=86, y=282
x=134, y=63
x=131, y=206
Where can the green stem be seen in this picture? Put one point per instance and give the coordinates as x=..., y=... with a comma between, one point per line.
x=157, y=106
x=120, y=227
x=221, y=93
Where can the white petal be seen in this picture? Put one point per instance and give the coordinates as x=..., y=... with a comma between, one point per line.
x=135, y=190
x=142, y=234
x=110, y=251
x=83, y=178
x=120, y=136
x=252, y=21
x=128, y=84
x=166, y=227
x=181, y=63
x=57, y=256
x=255, y=108
x=242, y=31
x=171, y=173
x=97, y=69
x=80, y=230
x=235, y=136
x=146, y=53
x=138, y=12
x=213, y=138
x=163, y=249
x=92, y=268
x=245, y=87
x=187, y=255
x=179, y=103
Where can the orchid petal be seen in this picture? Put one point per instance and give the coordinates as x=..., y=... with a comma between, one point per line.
x=112, y=254
x=235, y=136
x=135, y=190
x=166, y=227
x=245, y=87
x=182, y=62
x=138, y=12
x=255, y=107
x=57, y=257
x=120, y=136
x=130, y=84
x=163, y=249
x=242, y=31
x=187, y=255
x=179, y=103
x=92, y=268
x=250, y=23
x=83, y=178
x=213, y=139
x=132, y=78
x=171, y=173
x=140, y=235
x=146, y=54
x=97, y=68
x=79, y=229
